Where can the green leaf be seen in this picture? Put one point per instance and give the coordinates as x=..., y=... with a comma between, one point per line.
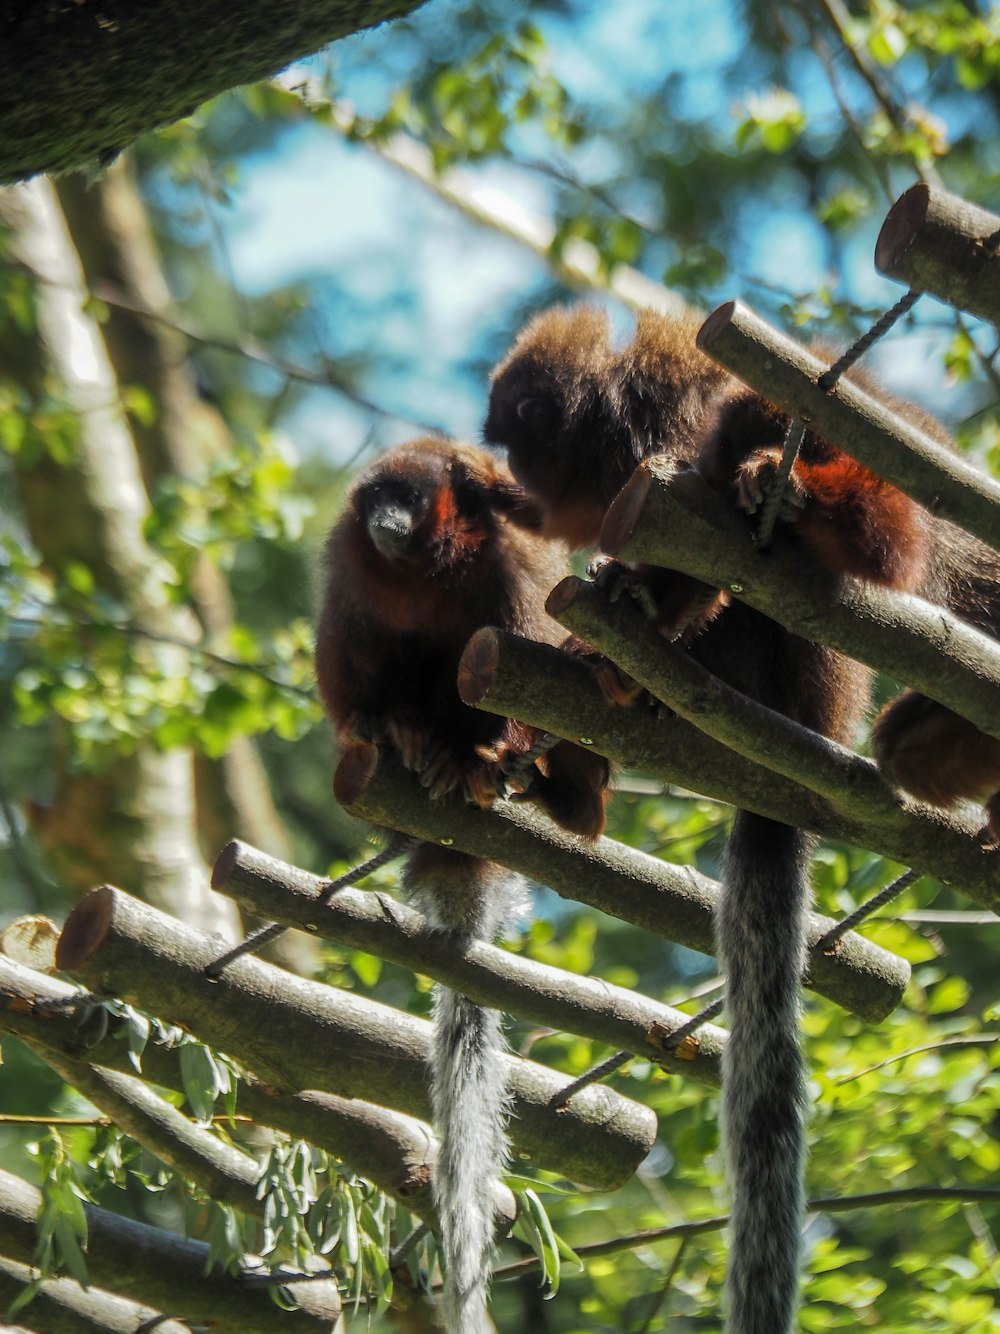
x=199, y=1076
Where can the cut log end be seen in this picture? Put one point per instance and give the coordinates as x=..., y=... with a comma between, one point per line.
x=225, y=862
x=563, y=594
x=85, y=929
x=477, y=667
x=715, y=323
x=624, y=511
x=354, y=772
x=900, y=227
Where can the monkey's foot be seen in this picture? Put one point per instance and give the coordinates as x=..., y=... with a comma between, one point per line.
x=618, y=581
x=617, y=686
x=756, y=478
x=482, y=784
x=411, y=739
x=478, y=780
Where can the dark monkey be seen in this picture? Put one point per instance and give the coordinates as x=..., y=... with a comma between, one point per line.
x=422, y=557
x=576, y=417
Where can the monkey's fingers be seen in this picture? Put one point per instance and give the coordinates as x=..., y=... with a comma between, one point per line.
x=481, y=785
x=598, y=568
x=619, y=581
x=441, y=773
x=616, y=686
x=411, y=740
x=756, y=478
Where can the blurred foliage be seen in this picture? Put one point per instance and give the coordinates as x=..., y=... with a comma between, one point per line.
x=690, y=160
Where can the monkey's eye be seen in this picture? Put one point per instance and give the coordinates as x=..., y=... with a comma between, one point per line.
x=527, y=409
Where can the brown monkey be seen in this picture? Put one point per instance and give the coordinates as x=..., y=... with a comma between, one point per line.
x=576, y=417
x=421, y=558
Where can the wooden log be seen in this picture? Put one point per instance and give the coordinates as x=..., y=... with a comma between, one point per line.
x=936, y=242
x=548, y=996
x=299, y=1034
x=677, y=751
x=872, y=432
x=165, y=1271
x=669, y=517
x=674, y=901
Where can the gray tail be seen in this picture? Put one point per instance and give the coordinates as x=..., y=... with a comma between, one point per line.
x=471, y=899
x=469, y=1095
x=761, y=939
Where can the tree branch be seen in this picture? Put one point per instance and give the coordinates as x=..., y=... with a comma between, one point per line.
x=491, y=976
x=830, y=1204
x=394, y=1151
x=556, y=692
x=61, y=1306
x=674, y=901
x=80, y=82
x=671, y=518
x=223, y=1172
x=786, y=374
x=936, y=242
x=111, y=232
x=92, y=510
x=577, y=264
x=160, y=1268
x=299, y=1034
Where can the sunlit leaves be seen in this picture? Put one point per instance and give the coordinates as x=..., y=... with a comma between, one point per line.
x=248, y=492
x=772, y=120
x=313, y=1210
x=944, y=30
x=469, y=111
x=62, y=1223
x=116, y=685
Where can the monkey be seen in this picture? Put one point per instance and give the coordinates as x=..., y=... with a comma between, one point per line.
x=922, y=747
x=562, y=380
x=576, y=417
x=423, y=555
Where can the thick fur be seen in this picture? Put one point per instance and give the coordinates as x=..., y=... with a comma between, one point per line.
x=576, y=417
x=471, y=900
x=923, y=747
x=761, y=940
x=422, y=557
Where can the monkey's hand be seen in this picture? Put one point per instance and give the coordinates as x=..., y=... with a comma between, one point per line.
x=476, y=776
x=618, y=581
x=617, y=686
x=409, y=737
x=756, y=478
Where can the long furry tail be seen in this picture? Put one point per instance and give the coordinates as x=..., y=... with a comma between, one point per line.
x=470, y=899
x=760, y=934
x=470, y=1111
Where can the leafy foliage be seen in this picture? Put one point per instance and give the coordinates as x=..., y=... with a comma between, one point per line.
x=691, y=161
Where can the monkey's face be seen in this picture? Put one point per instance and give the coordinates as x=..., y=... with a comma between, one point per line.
x=393, y=510
x=534, y=416
x=525, y=416
x=431, y=505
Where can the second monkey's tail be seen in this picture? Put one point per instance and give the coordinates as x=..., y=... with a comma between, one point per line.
x=760, y=933
x=471, y=900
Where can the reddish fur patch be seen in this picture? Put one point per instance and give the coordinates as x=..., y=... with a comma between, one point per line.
x=859, y=524
x=449, y=527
